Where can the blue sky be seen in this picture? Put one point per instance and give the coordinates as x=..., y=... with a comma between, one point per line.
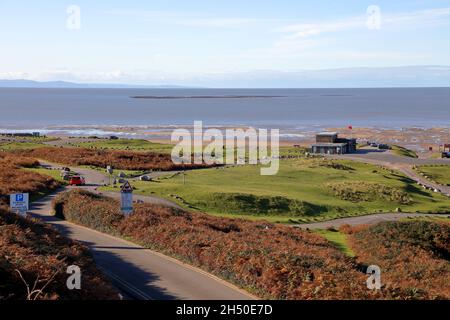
x=178, y=41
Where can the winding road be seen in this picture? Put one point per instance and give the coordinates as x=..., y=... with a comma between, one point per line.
x=138, y=272
x=403, y=164
x=144, y=274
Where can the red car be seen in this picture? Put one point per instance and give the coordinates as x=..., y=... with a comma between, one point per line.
x=77, y=181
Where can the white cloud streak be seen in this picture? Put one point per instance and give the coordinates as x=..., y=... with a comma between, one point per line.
x=304, y=30
x=191, y=19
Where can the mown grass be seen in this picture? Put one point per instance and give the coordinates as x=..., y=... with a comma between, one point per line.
x=299, y=193
x=404, y=152
x=438, y=173
x=127, y=144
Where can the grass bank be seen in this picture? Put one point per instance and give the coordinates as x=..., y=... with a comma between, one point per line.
x=404, y=152
x=304, y=190
x=436, y=173
x=126, y=144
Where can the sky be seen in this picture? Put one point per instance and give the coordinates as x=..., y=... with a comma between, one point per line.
x=196, y=41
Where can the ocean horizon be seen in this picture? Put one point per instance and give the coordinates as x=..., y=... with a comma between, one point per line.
x=289, y=109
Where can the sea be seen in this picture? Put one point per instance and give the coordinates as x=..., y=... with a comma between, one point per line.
x=96, y=111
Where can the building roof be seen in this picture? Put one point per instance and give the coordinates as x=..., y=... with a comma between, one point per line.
x=329, y=145
x=327, y=134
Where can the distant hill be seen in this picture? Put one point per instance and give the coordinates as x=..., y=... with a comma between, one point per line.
x=21, y=83
x=364, y=77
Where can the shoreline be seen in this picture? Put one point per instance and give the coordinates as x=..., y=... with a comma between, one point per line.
x=419, y=139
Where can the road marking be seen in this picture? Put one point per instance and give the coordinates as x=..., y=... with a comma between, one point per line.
x=129, y=288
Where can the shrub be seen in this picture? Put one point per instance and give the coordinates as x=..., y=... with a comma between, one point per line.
x=358, y=191
x=13, y=179
x=413, y=257
x=122, y=160
x=239, y=203
x=273, y=261
x=34, y=253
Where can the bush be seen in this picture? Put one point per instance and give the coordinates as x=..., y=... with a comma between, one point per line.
x=413, y=257
x=238, y=203
x=358, y=191
x=34, y=253
x=273, y=261
x=122, y=160
x=13, y=179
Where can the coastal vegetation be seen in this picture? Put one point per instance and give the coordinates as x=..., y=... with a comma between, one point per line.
x=126, y=144
x=280, y=262
x=126, y=160
x=414, y=256
x=272, y=261
x=16, y=176
x=34, y=260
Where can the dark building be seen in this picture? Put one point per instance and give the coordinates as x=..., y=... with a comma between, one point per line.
x=330, y=143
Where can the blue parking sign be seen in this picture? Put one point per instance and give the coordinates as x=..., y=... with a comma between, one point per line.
x=19, y=202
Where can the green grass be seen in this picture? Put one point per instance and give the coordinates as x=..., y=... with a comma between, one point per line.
x=298, y=193
x=438, y=173
x=444, y=218
x=339, y=239
x=293, y=152
x=127, y=144
x=403, y=152
x=55, y=174
x=128, y=173
x=10, y=146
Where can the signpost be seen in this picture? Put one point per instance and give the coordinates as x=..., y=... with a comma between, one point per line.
x=126, y=199
x=19, y=203
x=110, y=171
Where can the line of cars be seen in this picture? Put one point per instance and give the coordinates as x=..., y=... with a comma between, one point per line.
x=380, y=146
x=73, y=178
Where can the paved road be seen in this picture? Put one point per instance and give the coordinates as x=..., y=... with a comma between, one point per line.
x=402, y=164
x=95, y=179
x=138, y=272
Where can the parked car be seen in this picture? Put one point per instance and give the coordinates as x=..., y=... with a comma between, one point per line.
x=77, y=181
x=383, y=146
x=145, y=178
x=66, y=176
x=445, y=154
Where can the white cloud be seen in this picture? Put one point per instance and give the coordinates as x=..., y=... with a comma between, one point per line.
x=190, y=19
x=304, y=30
x=299, y=37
